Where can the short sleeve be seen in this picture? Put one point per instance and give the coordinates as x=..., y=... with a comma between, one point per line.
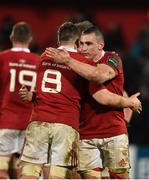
x=94, y=87
x=115, y=62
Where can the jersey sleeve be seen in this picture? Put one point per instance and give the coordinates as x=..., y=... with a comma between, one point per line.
x=81, y=58
x=94, y=87
x=115, y=62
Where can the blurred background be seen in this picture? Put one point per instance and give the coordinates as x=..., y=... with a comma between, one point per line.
x=125, y=26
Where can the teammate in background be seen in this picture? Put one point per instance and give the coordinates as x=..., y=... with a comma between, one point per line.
x=102, y=128
x=17, y=67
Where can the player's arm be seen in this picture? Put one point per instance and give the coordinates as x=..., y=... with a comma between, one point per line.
x=127, y=111
x=25, y=94
x=105, y=97
x=100, y=73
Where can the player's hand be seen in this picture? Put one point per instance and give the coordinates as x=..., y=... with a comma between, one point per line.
x=58, y=55
x=25, y=94
x=136, y=103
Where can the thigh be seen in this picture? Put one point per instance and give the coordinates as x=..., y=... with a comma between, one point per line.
x=8, y=141
x=116, y=152
x=64, y=145
x=88, y=156
x=36, y=144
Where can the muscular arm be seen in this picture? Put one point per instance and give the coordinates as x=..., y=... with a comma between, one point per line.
x=108, y=98
x=100, y=73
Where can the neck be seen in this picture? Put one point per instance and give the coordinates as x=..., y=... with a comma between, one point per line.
x=99, y=56
x=67, y=44
x=19, y=45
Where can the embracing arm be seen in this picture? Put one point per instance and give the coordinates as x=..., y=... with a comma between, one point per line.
x=100, y=73
x=108, y=98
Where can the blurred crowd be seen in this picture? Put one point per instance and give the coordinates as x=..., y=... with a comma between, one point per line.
x=136, y=67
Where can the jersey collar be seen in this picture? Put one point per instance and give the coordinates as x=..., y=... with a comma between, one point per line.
x=102, y=54
x=67, y=48
x=20, y=49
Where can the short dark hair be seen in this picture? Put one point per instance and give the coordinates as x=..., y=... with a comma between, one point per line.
x=94, y=29
x=84, y=25
x=21, y=32
x=68, y=32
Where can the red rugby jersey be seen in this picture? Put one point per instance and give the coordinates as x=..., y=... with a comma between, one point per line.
x=98, y=121
x=59, y=91
x=17, y=67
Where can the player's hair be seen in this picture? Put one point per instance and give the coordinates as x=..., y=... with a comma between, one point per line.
x=21, y=32
x=84, y=25
x=96, y=31
x=68, y=32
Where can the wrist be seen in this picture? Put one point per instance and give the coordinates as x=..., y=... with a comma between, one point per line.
x=68, y=60
x=30, y=96
x=126, y=102
x=130, y=104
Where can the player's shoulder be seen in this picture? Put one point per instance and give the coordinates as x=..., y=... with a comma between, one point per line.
x=34, y=55
x=4, y=52
x=79, y=57
x=31, y=57
x=112, y=56
x=43, y=56
x=112, y=53
x=75, y=55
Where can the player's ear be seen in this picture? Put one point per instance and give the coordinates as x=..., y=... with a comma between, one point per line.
x=58, y=43
x=101, y=45
x=11, y=37
x=30, y=39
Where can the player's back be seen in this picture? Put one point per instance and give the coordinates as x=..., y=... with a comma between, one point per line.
x=17, y=68
x=59, y=91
